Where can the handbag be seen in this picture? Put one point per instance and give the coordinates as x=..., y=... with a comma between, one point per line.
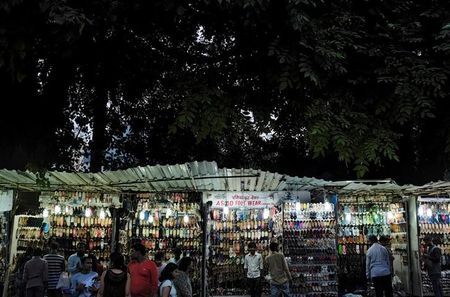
x=63, y=281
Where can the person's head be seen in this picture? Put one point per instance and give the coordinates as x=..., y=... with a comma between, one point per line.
x=373, y=239
x=428, y=240
x=86, y=264
x=273, y=247
x=81, y=249
x=185, y=264
x=37, y=252
x=29, y=251
x=138, y=251
x=117, y=261
x=159, y=257
x=54, y=246
x=177, y=253
x=252, y=248
x=168, y=272
x=384, y=240
x=436, y=241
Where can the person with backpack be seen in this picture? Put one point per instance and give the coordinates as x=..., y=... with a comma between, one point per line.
x=432, y=260
x=167, y=287
x=115, y=282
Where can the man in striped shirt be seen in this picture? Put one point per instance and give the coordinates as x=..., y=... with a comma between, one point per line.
x=56, y=265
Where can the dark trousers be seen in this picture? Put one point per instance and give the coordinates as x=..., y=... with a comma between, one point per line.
x=383, y=285
x=35, y=292
x=254, y=286
x=437, y=285
x=54, y=293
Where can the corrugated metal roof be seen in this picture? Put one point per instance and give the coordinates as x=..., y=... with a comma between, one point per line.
x=193, y=176
x=433, y=188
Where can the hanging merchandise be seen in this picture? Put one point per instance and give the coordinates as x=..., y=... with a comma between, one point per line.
x=433, y=216
x=362, y=216
x=235, y=220
x=74, y=217
x=164, y=222
x=310, y=248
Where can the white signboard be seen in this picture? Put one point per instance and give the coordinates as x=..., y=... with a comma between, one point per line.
x=240, y=200
x=6, y=200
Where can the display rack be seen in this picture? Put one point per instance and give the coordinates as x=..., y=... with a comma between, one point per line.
x=230, y=232
x=164, y=222
x=360, y=217
x=26, y=233
x=433, y=217
x=74, y=217
x=309, y=244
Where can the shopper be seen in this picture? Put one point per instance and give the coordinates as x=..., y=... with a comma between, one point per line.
x=143, y=273
x=85, y=282
x=279, y=274
x=115, y=282
x=182, y=282
x=35, y=275
x=74, y=261
x=159, y=261
x=21, y=261
x=378, y=268
x=253, y=265
x=56, y=265
x=177, y=252
x=385, y=241
x=167, y=288
x=432, y=259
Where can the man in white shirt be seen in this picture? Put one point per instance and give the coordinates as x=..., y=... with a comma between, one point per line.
x=378, y=268
x=253, y=265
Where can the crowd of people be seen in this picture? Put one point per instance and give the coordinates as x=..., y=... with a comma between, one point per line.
x=39, y=276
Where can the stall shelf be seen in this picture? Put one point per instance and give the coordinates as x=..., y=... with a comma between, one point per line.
x=309, y=244
x=360, y=216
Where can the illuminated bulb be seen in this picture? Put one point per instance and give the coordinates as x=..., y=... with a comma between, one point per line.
x=45, y=213
x=226, y=210
x=142, y=215
x=420, y=211
x=266, y=213
x=168, y=212
x=88, y=212
x=390, y=215
x=150, y=218
x=429, y=213
x=328, y=206
x=186, y=219
x=348, y=218
x=66, y=210
x=297, y=206
x=57, y=209
x=102, y=214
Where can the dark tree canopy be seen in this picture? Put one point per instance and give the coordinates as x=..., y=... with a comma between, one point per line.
x=332, y=89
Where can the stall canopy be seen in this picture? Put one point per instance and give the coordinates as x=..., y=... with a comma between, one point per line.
x=440, y=188
x=193, y=176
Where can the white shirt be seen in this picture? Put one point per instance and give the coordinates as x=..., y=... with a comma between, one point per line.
x=254, y=264
x=168, y=283
x=377, y=261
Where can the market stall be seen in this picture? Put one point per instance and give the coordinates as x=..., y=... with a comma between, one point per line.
x=430, y=215
x=163, y=222
x=309, y=244
x=366, y=210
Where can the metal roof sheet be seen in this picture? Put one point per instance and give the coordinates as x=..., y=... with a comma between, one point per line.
x=193, y=176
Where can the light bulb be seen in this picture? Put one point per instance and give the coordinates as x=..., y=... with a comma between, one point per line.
x=186, y=219
x=297, y=206
x=390, y=215
x=102, y=214
x=226, y=210
x=168, y=212
x=88, y=212
x=328, y=206
x=66, y=210
x=266, y=213
x=420, y=211
x=429, y=213
x=150, y=218
x=142, y=215
x=57, y=209
x=348, y=218
x=45, y=213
